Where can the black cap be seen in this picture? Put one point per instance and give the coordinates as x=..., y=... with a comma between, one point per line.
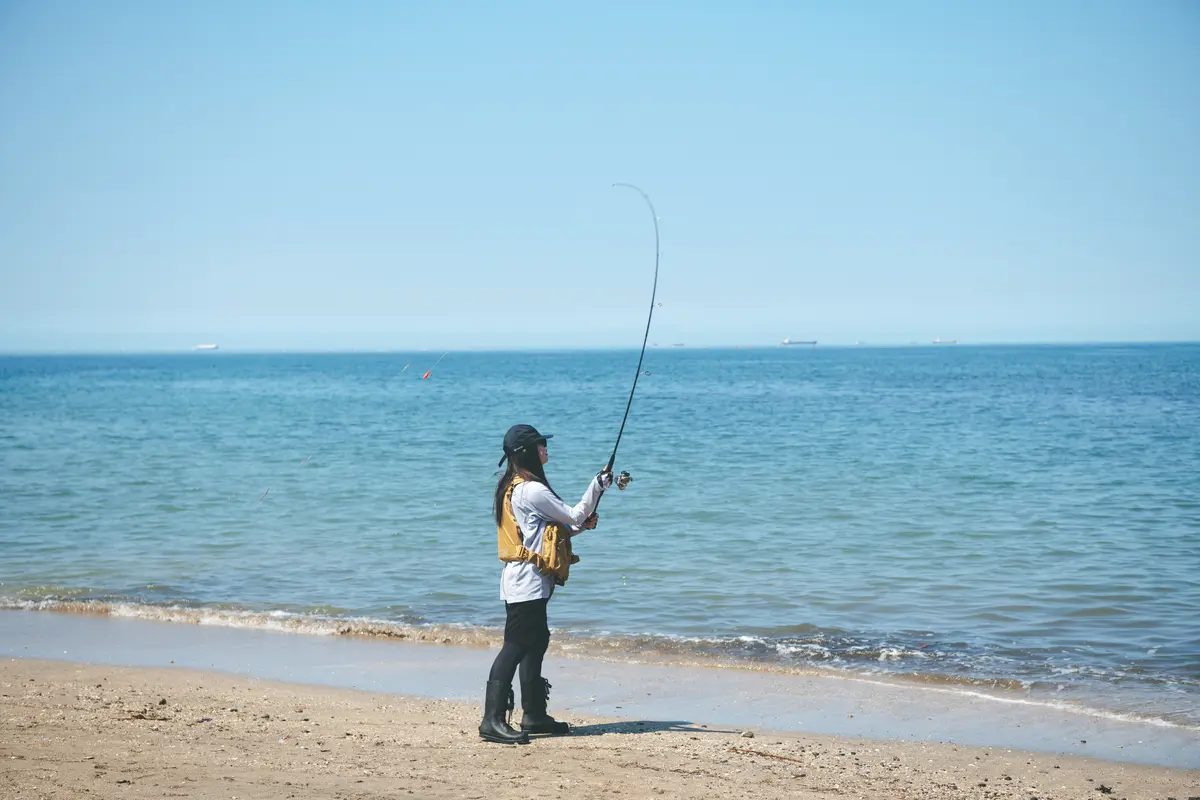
x=520, y=437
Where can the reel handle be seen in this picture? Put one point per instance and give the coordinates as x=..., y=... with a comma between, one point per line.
x=622, y=480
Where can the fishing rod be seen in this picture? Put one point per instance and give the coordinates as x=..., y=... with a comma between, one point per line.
x=624, y=478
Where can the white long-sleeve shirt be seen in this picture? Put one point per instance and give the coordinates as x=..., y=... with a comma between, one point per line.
x=534, y=505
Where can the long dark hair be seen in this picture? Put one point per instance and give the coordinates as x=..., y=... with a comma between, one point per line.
x=528, y=464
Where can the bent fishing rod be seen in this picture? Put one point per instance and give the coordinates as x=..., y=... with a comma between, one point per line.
x=624, y=478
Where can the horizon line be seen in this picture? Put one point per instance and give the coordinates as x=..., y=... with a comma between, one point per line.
x=251, y=350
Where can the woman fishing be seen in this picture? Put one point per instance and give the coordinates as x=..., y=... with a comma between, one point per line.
x=534, y=529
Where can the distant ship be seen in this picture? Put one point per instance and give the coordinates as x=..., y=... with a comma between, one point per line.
x=810, y=342
x=206, y=347
x=945, y=341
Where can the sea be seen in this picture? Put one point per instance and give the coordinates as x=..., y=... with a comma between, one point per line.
x=1022, y=521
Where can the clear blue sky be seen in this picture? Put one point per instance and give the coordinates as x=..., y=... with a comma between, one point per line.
x=400, y=174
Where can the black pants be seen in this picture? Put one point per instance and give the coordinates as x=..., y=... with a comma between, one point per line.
x=526, y=637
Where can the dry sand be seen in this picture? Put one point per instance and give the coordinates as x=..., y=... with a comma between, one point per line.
x=72, y=730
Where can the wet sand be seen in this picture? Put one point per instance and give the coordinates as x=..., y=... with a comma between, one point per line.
x=72, y=730
x=610, y=689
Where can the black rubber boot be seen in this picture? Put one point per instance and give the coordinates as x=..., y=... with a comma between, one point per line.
x=495, y=727
x=534, y=719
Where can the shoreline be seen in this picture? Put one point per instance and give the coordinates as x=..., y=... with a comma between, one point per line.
x=792, y=704
x=616, y=648
x=69, y=729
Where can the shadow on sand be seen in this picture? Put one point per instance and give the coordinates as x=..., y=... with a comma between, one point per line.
x=643, y=726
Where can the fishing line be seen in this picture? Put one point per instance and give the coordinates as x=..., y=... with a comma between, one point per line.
x=624, y=478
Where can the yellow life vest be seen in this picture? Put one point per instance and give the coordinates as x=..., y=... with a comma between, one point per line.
x=556, y=557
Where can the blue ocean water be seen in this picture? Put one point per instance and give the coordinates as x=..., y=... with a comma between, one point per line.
x=1022, y=520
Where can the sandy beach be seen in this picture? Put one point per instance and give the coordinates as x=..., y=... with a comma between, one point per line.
x=80, y=730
